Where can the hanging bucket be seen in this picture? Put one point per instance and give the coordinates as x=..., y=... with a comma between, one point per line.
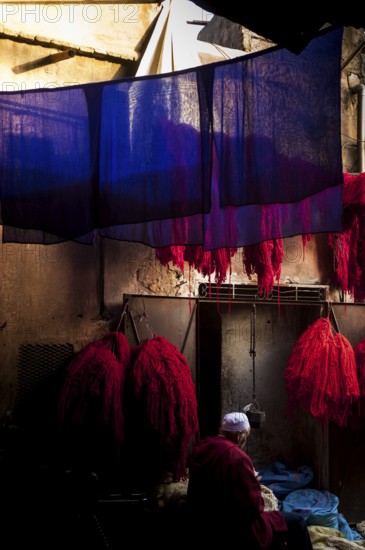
x=254, y=415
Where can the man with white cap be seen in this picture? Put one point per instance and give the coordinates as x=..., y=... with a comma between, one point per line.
x=223, y=487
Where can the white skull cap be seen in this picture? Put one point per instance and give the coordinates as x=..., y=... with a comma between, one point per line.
x=235, y=422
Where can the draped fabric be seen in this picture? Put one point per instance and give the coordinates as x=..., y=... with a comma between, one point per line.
x=163, y=412
x=265, y=136
x=348, y=246
x=223, y=155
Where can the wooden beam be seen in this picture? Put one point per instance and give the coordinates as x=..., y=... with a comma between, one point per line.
x=79, y=2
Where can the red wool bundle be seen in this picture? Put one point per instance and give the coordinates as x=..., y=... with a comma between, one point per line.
x=348, y=246
x=173, y=254
x=162, y=383
x=321, y=375
x=265, y=260
x=93, y=387
x=208, y=262
x=205, y=262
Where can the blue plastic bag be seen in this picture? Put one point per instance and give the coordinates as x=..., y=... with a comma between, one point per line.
x=282, y=481
x=317, y=507
x=346, y=530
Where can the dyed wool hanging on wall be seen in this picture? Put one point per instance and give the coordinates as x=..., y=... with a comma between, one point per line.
x=263, y=259
x=348, y=246
x=205, y=262
x=321, y=375
x=91, y=397
x=162, y=385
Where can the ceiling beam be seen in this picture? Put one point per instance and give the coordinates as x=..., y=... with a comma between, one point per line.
x=79, y=2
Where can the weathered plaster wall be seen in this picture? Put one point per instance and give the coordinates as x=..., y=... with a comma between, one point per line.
x=69, y=72
x=352, y=75
x=63, y=293
x=108, y=41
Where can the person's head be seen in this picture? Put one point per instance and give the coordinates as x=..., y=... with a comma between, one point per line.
x=236, y=427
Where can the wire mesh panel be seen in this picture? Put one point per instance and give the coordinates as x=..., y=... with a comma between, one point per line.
x=39, y=369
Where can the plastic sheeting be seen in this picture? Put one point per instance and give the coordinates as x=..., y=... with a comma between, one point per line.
x=317, y=507
x=282, y=480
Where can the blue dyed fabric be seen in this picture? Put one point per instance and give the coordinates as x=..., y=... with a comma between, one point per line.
x=273, y=116
x=224, y=155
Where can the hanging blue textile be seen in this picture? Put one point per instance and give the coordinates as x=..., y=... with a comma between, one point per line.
x=275, y=122
x=224, y=155
x=153, y=160
x=238, y=226
x=46, y=166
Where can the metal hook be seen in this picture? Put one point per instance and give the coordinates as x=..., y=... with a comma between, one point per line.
x=124, y=311
x=143, y=317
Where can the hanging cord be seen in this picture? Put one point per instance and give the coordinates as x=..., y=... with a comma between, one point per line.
x=188, y=329
x=143, y=317
x=330, y=314
x=255, y=416
x=334, y=320
x=253, y=349
x=124, y=311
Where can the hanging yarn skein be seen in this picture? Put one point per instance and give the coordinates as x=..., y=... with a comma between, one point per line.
x=321, y=375
x=162, y=384
x=91, y=396
x=347, y=247
x=264, y=259
x=206, y=262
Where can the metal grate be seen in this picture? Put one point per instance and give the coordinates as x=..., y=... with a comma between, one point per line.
x=38, y=364
x=250, y=293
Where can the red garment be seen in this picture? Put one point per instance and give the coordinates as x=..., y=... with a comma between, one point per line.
x=223, y=487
